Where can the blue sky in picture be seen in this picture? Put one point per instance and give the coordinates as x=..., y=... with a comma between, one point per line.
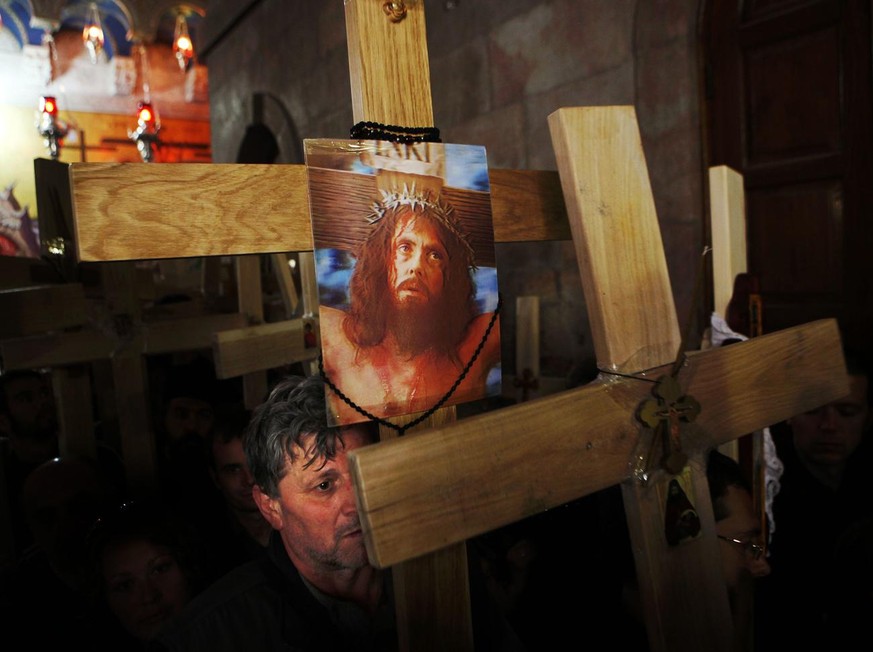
x=466, y=167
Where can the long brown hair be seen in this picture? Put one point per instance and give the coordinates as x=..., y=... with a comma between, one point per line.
x=366, y=323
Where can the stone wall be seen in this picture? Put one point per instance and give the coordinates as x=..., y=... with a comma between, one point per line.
x=498, y=69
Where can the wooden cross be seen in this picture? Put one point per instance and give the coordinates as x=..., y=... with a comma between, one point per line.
x=729, y=259
x=487, y=471
x=232, y=350
x=37, y=334
x=421, y=496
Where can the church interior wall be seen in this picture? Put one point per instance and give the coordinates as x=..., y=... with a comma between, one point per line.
x=498, y=69
x=97, y=103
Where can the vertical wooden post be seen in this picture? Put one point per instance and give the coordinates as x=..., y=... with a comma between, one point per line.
x=250, y=301
x=390, y=83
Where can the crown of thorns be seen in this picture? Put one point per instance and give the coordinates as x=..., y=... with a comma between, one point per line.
x=423, y=203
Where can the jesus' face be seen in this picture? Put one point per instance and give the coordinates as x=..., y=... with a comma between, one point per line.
x=418, y=269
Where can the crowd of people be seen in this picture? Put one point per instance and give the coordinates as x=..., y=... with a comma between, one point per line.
x=107, y=567
x=252, y=539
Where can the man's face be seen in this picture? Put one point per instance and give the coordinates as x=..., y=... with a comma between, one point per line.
x=315, y=512
x=417, y=274
x=232, y=475
x=31, y=409
x=738, y=561
x=826, y=437
x=188, y=416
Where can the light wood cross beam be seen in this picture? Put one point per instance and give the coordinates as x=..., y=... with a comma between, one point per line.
x=252, y=350
x=475, y=475
x=420, y=494
x=55, y=308
x=727, y=203
x=727, y=219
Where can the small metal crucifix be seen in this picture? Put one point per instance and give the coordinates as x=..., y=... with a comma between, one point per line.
x=664, y=414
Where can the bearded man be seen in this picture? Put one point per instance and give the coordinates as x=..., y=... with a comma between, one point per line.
x=413, y=327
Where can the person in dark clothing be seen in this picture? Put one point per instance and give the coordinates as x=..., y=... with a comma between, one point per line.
x=315, y=589
x=740, y=540
x=145, y=561
x=242, y=531
x=191, y=396
x=45, y=598
x=824, y=490
x=29, y=437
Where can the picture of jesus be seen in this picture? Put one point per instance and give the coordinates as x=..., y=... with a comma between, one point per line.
x=411, y=327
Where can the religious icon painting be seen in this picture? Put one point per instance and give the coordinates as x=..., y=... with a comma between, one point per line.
x=19, y=233
x=406, y=273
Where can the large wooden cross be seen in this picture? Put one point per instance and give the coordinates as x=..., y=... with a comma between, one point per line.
x=232, y=350
x=54, y=326
x=422, y=496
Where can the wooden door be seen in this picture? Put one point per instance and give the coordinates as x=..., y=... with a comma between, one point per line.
x=788, y=104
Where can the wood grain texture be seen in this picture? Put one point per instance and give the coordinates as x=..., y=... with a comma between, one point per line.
x=250, y=302
x=634, y=327
x=131, y=211
x=617, y=236
x=87, y=345
x=727, y=218
x=390, y=82
x=436, y=585
x=260, y=347
x=528, y=206
x=127, y=211
x=388, y=65
x=481, y=467
x=418, y=494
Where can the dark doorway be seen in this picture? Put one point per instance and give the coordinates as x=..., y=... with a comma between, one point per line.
x=788, y=105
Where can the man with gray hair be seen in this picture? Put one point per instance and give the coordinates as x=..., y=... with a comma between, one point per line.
x=315, y=588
